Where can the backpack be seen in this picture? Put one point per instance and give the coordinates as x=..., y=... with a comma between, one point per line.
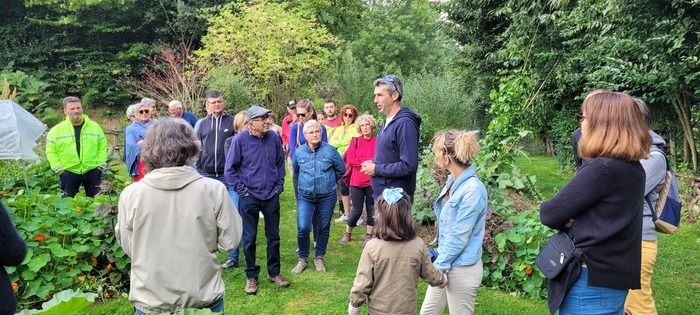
x=666, y=214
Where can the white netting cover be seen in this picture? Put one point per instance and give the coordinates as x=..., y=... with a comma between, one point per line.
x=19, y=131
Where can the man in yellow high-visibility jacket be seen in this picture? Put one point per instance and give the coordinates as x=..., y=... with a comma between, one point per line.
x=77, y=150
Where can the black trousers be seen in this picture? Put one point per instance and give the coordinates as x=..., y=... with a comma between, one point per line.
x=71, y=182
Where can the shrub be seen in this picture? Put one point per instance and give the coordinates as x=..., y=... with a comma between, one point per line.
x=31, y=91
x=70, y=241
x=429, y=181
x=563, y=125
x=511, y=244
x=440, y=101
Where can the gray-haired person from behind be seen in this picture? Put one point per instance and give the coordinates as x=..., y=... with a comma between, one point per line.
x=172, y=223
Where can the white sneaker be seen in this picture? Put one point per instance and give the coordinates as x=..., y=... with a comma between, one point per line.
x=343, y=218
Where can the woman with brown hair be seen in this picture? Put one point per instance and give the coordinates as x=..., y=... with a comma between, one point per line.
x=601, y=208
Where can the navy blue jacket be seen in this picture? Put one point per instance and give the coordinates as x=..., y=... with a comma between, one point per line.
x=190, y=118
x=213, y=131
x=317, y=171
x=255, y=166
x=12, y=252
x=396, y=153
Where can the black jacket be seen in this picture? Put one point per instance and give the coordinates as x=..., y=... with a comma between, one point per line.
x=213, y=132
x=605, y=201
x=12, y=252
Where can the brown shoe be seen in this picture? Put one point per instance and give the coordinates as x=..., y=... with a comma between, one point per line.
x=251, y=286
x=279, y=280
x=320, y=264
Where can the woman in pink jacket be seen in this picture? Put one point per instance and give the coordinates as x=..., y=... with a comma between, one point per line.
x=359, y=150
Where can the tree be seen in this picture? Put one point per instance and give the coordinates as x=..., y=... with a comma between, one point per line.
x=278, y=52
x=401, y=36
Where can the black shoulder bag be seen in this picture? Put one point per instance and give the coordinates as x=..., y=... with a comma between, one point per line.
x=556, y=254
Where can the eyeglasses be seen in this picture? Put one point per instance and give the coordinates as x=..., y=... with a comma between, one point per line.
x=144, y=111
x=301, y=114
x=261, y=118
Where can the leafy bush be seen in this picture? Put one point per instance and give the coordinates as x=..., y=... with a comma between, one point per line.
x=232, y=86
x=563, y=125
x=429, y=181
x=511, y=244
x=31, y=91
x=70, y=241
x=440, y=101
x=67, y=302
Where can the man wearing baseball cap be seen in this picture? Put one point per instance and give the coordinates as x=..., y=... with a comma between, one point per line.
x=255, y=169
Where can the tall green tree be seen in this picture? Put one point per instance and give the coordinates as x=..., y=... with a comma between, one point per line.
x=401, y=36
x=288, y=52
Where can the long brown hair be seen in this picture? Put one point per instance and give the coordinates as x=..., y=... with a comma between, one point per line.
x=394, y=222
x=613, y=126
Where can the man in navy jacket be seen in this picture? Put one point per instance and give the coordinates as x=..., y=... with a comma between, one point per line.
x=255, y=169
x=396, y=156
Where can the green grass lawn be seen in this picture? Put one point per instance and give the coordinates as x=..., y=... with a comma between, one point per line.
x=676, y=281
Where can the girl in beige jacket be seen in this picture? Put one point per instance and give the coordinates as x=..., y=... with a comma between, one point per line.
x=392, y=262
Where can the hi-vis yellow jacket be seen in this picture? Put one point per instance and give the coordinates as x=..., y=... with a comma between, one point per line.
x=61, y=152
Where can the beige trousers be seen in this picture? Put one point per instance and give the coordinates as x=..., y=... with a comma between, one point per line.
x=641, y=302
x=459, y=294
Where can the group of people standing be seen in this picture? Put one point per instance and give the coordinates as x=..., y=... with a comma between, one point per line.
x=201, y=186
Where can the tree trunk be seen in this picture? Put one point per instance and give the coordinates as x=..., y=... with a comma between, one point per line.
x=682, y=105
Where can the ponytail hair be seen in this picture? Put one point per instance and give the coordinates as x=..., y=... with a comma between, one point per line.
x=462, y=146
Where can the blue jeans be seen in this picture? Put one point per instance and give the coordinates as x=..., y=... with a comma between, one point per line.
x=233, y=254
x=591, y=300
x=216, y=307
x=320, y=208
x=250, y=207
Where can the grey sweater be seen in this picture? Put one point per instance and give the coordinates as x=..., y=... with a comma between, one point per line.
x=655, y=169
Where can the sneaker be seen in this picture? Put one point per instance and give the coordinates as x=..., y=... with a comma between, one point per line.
x=251, y=286
x=345, y=239
x=230, y=263
x=320, y=264
x=299, y=268
x=279, y=280
x=343, y=218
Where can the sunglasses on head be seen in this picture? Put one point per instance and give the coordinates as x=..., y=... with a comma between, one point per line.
x=391, y=79
x=144, y=111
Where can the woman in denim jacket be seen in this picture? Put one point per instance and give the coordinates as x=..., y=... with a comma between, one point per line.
x=461, y=212
x=317, y=169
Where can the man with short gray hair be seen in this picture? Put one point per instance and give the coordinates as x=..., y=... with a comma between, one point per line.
x=395, y=161
x=176, y=111
x=255, y=169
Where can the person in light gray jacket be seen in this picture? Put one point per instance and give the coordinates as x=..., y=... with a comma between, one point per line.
x=641, y=302
x=172, y=223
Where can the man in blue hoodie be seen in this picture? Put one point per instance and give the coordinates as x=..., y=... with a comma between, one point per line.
x=396, y=155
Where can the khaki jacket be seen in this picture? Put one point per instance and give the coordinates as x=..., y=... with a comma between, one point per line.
x=387, y=276
x=171, y=224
